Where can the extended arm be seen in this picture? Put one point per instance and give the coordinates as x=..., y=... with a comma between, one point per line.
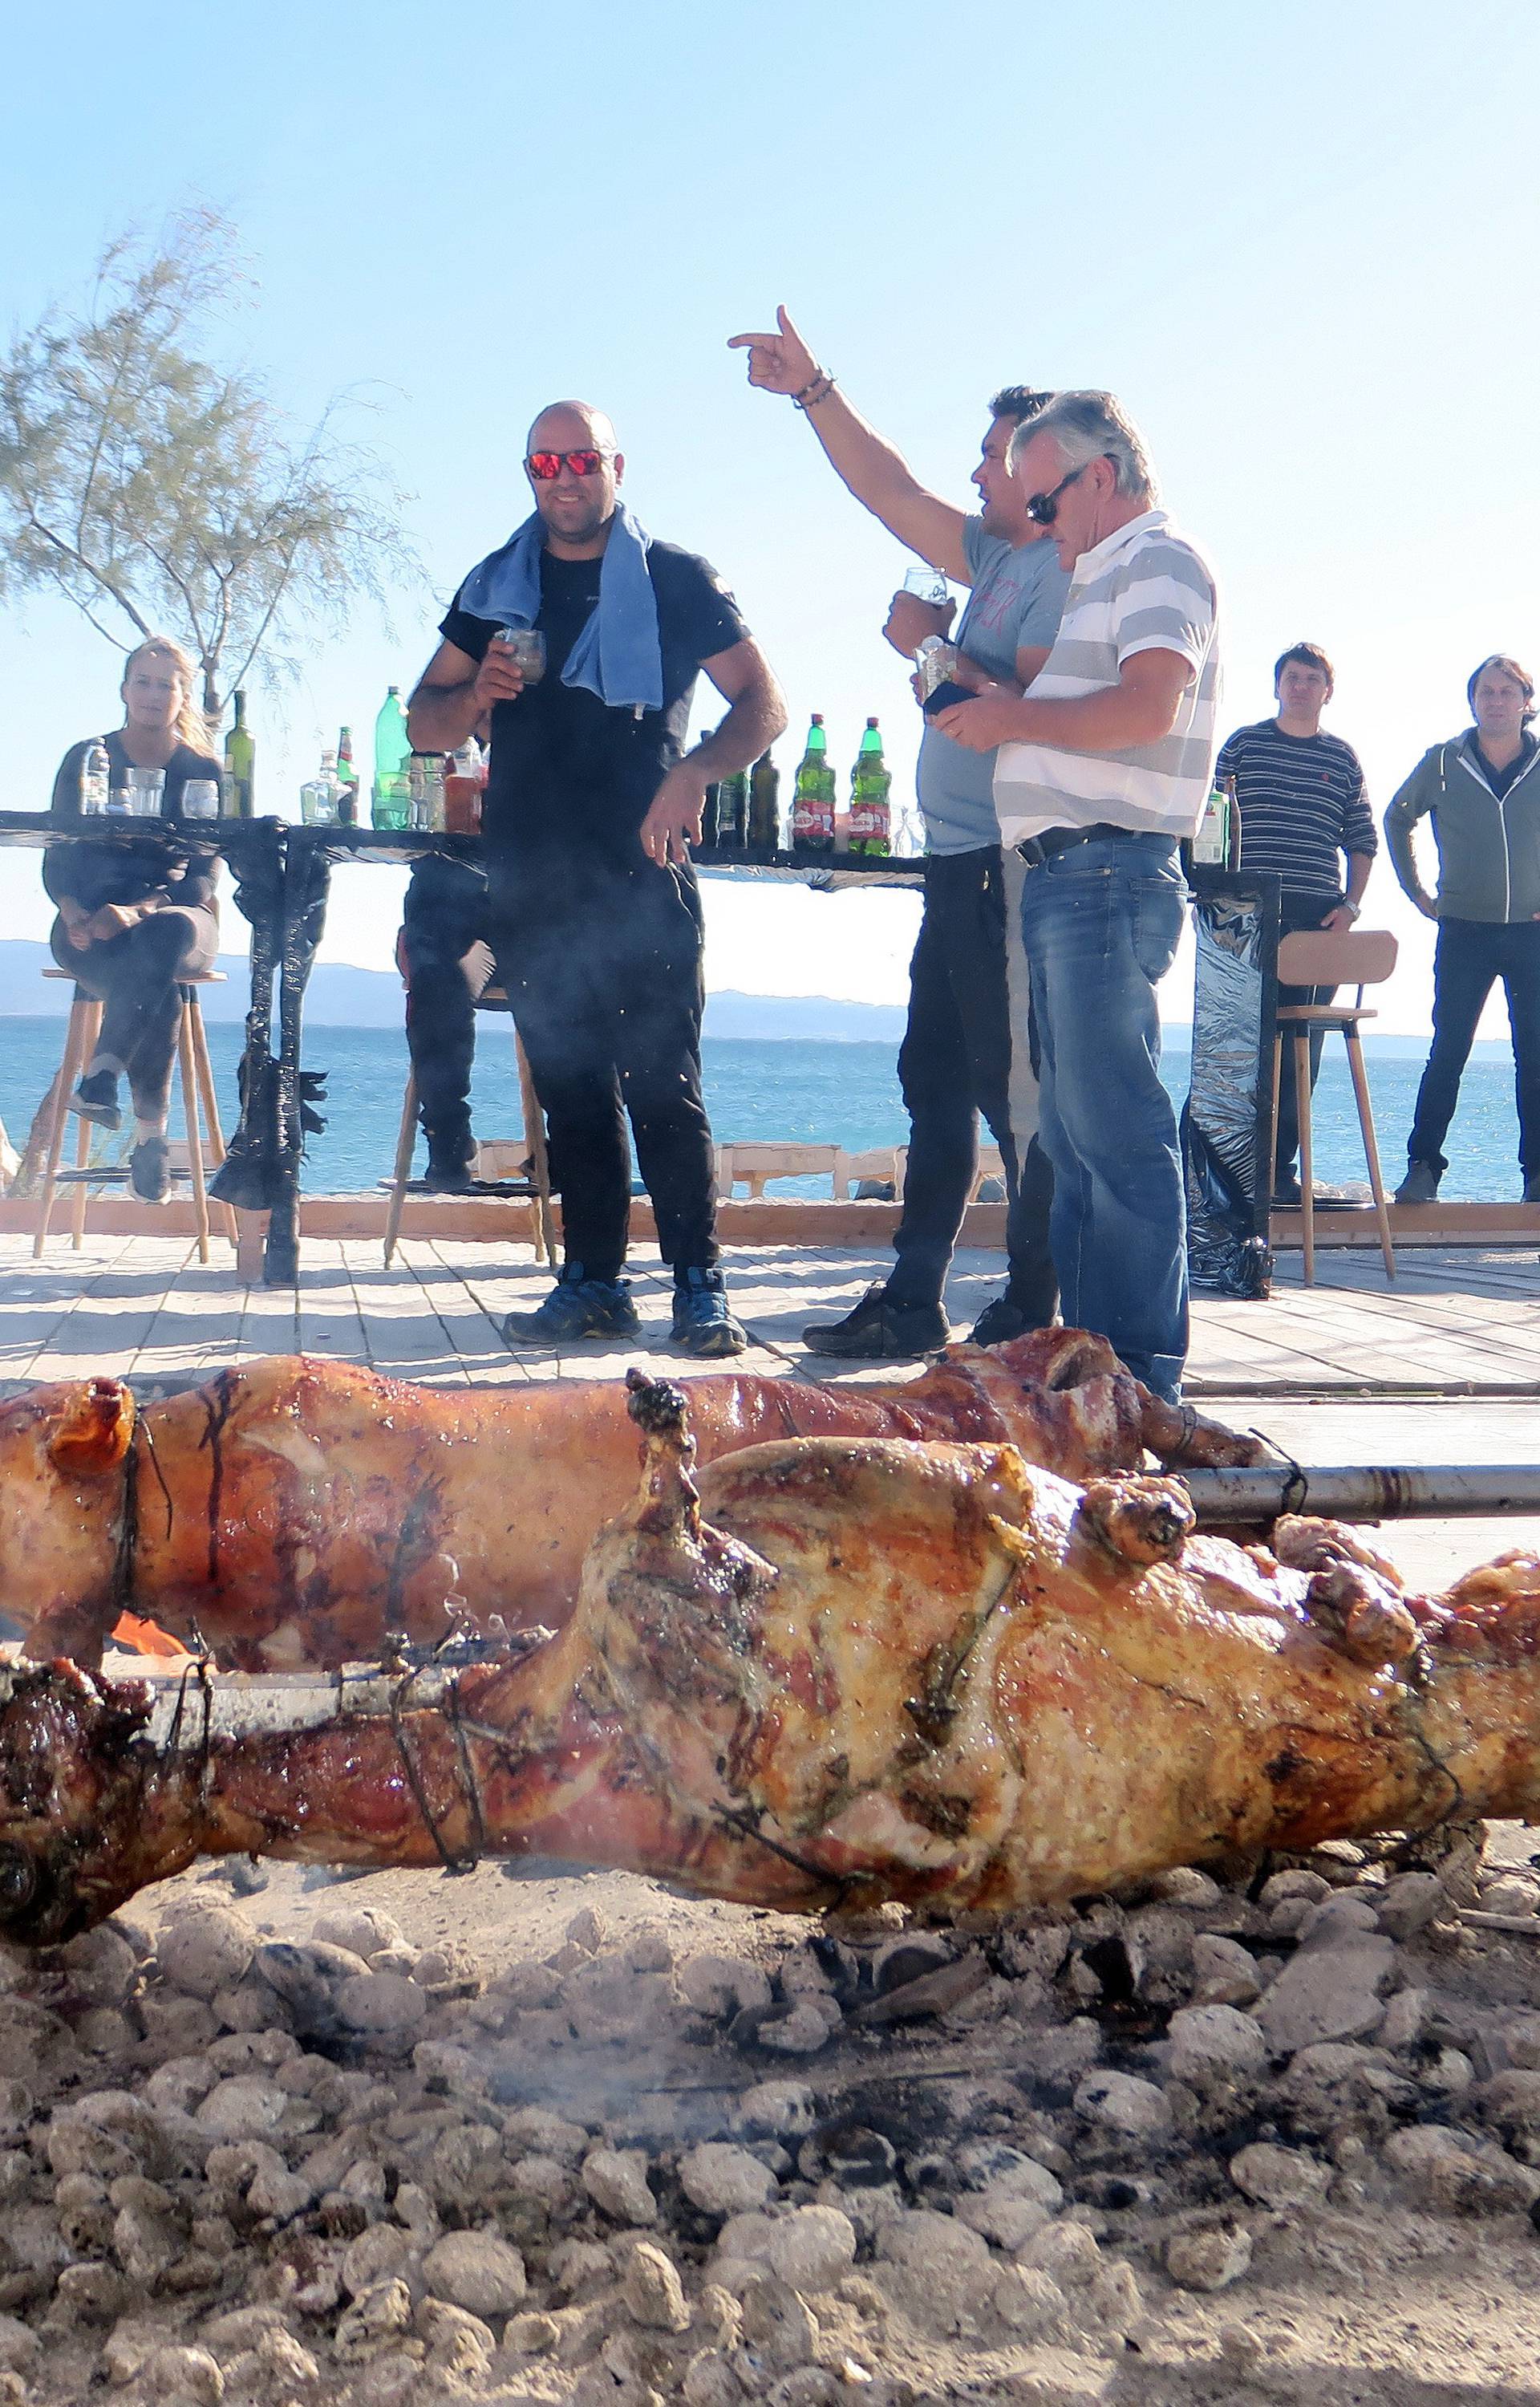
x=879, y=475
x=756, y=717
x=1140, y=709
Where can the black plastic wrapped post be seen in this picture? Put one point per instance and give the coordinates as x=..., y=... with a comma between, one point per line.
x=1226, y=1122
x=256, y=857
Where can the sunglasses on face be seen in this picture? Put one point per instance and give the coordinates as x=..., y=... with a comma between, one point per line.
x=1043, y=509
x=545, y=465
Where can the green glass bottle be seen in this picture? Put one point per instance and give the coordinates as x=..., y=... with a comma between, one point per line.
x=240, y=767
x=870, y=820
x=348, y=808
x=392, y=799
x=813, y=804
x=732, y=812
x=765, y=806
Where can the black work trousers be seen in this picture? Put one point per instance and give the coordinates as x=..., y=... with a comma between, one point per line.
x=134, y=976
x=966, y=1051
x=605, y=976
x=440, y=923
x=1470, y=956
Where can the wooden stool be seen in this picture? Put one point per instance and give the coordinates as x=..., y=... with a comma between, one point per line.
x=538, y=1186
x=47, y=1140
x=1330, y=957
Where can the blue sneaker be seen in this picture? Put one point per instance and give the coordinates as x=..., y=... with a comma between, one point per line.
x=577, y=1306
x=703, y=1323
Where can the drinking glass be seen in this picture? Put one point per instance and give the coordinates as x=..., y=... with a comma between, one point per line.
x=527, y=646
x=145, y=792
x=926, y=585
x=201, y=798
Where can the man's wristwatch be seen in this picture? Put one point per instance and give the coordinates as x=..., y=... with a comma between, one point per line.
x=1354, y=911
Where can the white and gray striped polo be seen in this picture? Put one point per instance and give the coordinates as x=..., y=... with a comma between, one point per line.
x=1144, y=590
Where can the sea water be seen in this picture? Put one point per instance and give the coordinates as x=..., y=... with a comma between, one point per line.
x=800, y=1091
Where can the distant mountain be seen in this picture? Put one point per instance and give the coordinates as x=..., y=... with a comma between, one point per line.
x=341, y=996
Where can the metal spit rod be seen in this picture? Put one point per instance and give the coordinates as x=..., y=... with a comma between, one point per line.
x=1364, y=1492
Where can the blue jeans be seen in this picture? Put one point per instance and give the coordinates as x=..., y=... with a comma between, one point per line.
x=1100, y=922
x=1471, y=955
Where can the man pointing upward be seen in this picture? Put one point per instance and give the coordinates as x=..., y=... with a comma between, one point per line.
x=957, y=1058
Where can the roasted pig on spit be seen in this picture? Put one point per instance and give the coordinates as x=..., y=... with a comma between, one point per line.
x=302, y=1513
x=847, y=1670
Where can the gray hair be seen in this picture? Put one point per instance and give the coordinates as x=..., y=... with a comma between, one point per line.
x=1093, y=426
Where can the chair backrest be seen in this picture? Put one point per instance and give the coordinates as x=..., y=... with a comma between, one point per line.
x=1336, y=957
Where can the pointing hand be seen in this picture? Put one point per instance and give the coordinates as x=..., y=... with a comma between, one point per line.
x=779, y=363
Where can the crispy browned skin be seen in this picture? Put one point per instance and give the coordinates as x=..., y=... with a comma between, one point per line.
x=296, y=1512
x=856, y=1669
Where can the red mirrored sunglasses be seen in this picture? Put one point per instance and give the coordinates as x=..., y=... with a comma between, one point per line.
x=545, y=465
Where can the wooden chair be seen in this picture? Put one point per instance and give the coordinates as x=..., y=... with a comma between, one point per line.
x=537, y=1186
x=47, y=1143
x=1358, y=957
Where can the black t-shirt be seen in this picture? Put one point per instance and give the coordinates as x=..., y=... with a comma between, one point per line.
x=571, y=780
x=93, y=874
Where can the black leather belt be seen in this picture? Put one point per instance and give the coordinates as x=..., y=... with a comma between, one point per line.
x=1035, y=849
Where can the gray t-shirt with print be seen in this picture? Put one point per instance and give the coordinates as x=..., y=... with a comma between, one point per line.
x=1017, y=598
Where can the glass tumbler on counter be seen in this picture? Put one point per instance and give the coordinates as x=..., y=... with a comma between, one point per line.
x=201, y=798
x=146, y=793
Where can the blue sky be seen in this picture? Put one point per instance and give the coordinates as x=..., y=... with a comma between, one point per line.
x=1300, y=244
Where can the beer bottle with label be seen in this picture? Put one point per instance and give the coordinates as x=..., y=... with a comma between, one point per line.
x=347, y=806
x=870, y=820
x=1211, y=844
x=812, y=802
x=732, y=812
x=240, y=766
x=765, y=806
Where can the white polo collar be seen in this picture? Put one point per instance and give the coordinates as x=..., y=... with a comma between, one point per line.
x=1090, y=562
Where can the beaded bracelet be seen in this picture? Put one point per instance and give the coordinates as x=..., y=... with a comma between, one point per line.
x=820, y=387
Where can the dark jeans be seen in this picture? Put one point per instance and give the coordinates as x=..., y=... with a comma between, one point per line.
x=1299, y=911
x=439, y=924
x=605, y=985
x=955, y=1062
x=134, y=977
x=1101, y=923
x=1470, y=956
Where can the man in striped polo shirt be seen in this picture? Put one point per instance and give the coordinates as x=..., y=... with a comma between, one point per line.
x=1302, y=807
x=1104, y=767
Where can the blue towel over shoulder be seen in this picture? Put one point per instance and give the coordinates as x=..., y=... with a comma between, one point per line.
x=618, y=655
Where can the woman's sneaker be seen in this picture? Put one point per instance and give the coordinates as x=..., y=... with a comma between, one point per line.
x=577, y=1306
x=702, y=1324
x=149, y=1169
x=96, y=1099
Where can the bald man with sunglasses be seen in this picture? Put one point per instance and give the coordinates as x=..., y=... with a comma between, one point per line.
x=591, y=805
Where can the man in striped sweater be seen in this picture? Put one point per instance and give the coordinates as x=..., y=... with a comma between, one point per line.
x=1302, y=808
x=1104, y=767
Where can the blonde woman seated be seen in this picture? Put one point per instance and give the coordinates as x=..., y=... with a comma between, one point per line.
x=135, y=917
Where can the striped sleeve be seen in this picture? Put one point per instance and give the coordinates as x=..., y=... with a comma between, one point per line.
x=1359, y=833
x=1164, y=605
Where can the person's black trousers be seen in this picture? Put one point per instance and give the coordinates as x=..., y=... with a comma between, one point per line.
x=966, y=1051
x=606, y=984
x=1297, y=912
x=442, y=918
x=134, y=977
x=1470, y=956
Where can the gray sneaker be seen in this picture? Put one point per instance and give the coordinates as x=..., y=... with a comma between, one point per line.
x=1420, y=1184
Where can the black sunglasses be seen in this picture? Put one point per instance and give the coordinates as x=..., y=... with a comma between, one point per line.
x=1043, y=509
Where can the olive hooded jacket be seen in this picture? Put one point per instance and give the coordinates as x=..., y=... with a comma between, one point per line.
x=1489, y=847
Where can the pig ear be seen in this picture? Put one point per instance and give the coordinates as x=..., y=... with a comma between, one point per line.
x=94, y=1430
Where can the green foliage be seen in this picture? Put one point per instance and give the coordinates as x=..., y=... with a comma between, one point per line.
x=161, y=493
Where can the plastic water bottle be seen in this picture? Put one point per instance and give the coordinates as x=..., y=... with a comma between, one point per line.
x=96, y=778
x=392, y=753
